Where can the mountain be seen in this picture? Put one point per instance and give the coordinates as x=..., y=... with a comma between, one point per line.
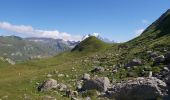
x=99, y=37
x=142, y=64
x=90, y=44
x=156, y=36
x=19, y=49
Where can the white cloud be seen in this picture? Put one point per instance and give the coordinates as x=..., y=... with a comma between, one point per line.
x=144, y=21
x=95, y=34
x=30, y=31
x=138, y=32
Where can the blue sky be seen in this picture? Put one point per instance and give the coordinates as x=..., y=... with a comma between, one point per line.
x=118, y=20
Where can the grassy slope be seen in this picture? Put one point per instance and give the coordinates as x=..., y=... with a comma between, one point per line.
x=15, y=81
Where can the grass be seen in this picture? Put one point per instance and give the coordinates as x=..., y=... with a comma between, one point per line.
x=19, y=80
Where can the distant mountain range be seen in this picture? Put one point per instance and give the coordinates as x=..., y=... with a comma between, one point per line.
x=17, y=49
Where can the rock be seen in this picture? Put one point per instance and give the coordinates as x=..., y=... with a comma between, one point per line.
x=159, y=59
x=150, y=74
x=88, y=98
x=134, y=62
x=98, y=69
x=48, y=85
x=114, y=71
x=79, y=85
x=168, y=66
x=70, y=93
x=49, y=75
x=62, y=87
x=149, y=52
x=153, y=54
x=60, y=75
x=167, y=57
x=166, y=69
x=86, y=76
x=99, y=83
x=138, y=89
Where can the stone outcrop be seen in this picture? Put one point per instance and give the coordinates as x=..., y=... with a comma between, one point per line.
x=48, y=85
x=99, y=83
x=138, y=89
x=134, y=62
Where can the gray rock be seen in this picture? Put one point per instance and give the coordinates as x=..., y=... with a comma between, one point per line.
x=153, y=54
x=70, y=93
x=166, y=69
x=159, y=59
x=88, y=98
x=150, y=74
x=98, y=69
x=99, y=83
x=48, y=85
x=138, y=89
x=86, y=76
x=62, y=87
x=134, y=62
x=167, y=57
x=49, y=75
x=79, y=85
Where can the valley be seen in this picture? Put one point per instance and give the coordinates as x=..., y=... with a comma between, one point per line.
x=92, y=70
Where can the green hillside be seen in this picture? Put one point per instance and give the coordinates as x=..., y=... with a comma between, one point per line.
x=91, y=45
x=20, y=81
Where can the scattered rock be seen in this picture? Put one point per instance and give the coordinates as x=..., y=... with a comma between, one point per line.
x=167, y=57
x=48, y=85
x=70, y=93
x=138, y=89
x=99, y=83
x=86, y=76
x=60, y=75
x=166, y=69
x=62, y=87
x=150, y=74
x=79, y=85
x=49, y=75
x=114, y=71
x=153, y=54
x=159, y=59
x=134, y=62
x=88, y=98
x=98, y=69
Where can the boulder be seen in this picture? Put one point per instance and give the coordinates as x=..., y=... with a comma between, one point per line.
x=48, y=85
x=159, y=59
x=86, y=76
x=99, y=83
x=98, y=69
x=138, y=89
x=134, y=62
